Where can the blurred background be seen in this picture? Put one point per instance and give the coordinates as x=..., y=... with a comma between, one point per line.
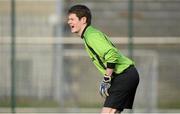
x=44, y=68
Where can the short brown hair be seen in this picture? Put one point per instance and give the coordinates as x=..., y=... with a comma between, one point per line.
x=81, y=11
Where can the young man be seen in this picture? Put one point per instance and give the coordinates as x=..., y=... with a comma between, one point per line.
x=120, y=77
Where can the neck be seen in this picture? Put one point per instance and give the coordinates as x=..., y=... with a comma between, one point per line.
x=82, y=29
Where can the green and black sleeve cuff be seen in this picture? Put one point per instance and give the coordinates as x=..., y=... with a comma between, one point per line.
x=111, y=65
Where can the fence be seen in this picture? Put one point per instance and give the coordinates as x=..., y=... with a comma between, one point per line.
x=54, y=74
x=37, y=86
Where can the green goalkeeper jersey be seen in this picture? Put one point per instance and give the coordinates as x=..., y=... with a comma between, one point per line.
x=103, y=53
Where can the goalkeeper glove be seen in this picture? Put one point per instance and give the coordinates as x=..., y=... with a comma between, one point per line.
x=104, y=86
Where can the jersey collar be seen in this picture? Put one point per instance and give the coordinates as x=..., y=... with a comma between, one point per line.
x=82, y=35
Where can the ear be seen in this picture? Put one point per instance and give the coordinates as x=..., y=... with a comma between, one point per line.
x=84, y=20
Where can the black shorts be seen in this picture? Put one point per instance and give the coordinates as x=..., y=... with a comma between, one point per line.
x=123, y=89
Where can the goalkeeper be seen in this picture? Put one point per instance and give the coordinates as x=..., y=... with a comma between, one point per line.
x=120, y=77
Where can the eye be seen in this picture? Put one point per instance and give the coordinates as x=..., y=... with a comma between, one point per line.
x=70, y=19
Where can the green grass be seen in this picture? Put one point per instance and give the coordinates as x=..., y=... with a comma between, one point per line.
x=90, y=105
x=27, y=102
x=169, y=104
x=32, y=102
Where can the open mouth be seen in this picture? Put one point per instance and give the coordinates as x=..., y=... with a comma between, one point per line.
x=72, y=26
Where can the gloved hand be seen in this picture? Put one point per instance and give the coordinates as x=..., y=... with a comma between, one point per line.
x=104, y=86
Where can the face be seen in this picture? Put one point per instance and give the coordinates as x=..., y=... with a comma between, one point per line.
x=76, y=24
